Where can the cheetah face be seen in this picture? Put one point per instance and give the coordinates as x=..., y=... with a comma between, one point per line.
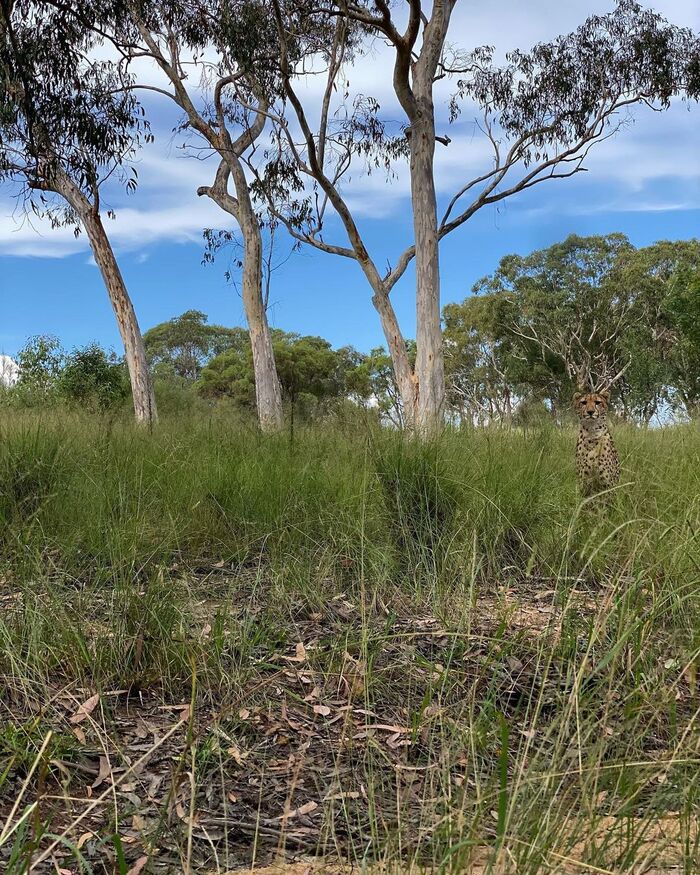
x=592, y=407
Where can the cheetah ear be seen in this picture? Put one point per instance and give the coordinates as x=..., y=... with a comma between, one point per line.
x=577, y=397
x=605, y=394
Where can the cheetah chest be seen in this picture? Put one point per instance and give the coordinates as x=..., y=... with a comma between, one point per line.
x=596, y=461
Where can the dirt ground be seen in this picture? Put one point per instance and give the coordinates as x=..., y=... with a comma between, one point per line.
x=271, y=777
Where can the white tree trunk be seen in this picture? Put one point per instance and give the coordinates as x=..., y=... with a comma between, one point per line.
x=268, y=392
x=430, y=366
x=414, y=81
x=134, y=350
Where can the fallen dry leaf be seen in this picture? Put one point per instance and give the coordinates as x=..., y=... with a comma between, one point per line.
x=85, y=709
x=237, y=754
x=300, y=654
x=323, y=710
x=83, y=838
x=350, y=794
x=104, y=772
x=138, y=866
x=387, y=727
x=307, y=808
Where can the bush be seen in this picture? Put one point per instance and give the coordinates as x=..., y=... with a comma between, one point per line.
x=94, y=379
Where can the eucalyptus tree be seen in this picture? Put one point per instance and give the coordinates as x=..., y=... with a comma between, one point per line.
x=542, y=111
x=486, y=372
x=67, y=126
x=564, y=306
x=308, y=366
x=215, y=57
x=184, y=345
x=664, y=344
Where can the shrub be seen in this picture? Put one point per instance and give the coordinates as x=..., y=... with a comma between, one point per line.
x=93, y=378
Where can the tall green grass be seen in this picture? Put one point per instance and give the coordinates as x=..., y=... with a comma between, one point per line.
x=535, y=747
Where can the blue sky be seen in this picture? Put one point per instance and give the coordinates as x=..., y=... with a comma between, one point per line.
x=645, y=182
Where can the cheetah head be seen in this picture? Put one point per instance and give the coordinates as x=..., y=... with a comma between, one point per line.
x=592, y=407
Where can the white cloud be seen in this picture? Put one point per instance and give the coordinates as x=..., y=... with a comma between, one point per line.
x=639, y=166
x=132, y=229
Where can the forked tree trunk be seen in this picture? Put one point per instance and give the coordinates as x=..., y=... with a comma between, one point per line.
x=414, y=81
x=134, y=350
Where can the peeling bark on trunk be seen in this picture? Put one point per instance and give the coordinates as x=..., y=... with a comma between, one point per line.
x=268, y=391
x=134, y=350
x=139, y=374
x=413, y=83
x=430, y=367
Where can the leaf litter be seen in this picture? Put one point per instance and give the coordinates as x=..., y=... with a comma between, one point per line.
x=280, y=768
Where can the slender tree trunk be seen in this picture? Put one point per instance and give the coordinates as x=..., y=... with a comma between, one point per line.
x=430, y=367
x=403, y=372
x=134, y=350
x=268, y=392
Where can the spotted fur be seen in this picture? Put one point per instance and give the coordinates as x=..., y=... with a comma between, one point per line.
x=597, y=462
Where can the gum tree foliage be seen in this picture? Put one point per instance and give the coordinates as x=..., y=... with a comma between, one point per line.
x=486, y=366
x=564, y=306
x=40, y=361
x=542, y=111
x=586, y=311
x=309, y=368
x=185, y=344
x=371, y=383
x=664, y=345
x=66, y=126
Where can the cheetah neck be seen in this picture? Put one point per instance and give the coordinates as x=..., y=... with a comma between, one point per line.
x=593, y=432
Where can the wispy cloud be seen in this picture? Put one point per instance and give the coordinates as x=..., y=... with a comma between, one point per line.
x=132, y=229
x=652, y=165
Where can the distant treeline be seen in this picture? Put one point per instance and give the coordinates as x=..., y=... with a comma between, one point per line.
x=589, y=310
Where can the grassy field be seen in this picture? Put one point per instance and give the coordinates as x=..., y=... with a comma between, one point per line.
x=219, y=649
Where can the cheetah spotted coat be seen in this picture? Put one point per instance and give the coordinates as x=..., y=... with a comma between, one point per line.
x=597, y=462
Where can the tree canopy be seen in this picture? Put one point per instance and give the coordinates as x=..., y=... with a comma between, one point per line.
x=589, y=311
x=185, y=344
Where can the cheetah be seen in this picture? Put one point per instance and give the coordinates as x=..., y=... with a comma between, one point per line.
x=597, y=462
